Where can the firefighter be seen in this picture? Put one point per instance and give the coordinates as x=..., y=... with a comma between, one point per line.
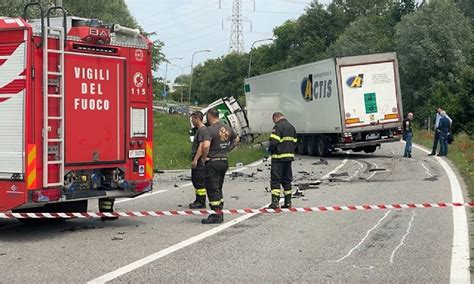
x=282, y=148
x=218, y=142
x=107, y=205
x=197, y=171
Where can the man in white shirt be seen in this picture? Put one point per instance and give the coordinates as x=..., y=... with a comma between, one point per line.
x=436, y=131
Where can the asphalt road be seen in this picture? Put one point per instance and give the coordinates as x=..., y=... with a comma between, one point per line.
x=357, y=247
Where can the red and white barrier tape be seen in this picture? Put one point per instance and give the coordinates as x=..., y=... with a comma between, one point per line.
x=231, y=211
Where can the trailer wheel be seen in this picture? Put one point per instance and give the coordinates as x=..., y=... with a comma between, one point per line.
x=301, y=146
x=323, y=147
x=370, y=149
x=63, y=207
x=311, y=146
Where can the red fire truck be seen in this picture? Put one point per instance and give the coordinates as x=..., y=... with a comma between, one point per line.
x=75, y=112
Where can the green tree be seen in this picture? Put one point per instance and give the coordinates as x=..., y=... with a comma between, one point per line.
x=370, y=34
x=434, y=47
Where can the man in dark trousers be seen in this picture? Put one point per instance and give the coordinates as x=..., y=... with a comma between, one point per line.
x=436, y=130
x=408, y=135
x=282, y=147
x=219, y=140
x=443, y=128
x=197, y=171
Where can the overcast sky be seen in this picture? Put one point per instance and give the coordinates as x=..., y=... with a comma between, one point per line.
x=186, y=26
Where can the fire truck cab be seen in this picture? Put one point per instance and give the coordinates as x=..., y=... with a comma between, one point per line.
x=75, y=112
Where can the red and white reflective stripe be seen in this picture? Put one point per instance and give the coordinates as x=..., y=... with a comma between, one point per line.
x=232, y=211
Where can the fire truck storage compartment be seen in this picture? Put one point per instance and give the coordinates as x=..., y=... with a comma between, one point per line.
x=94, y=109
x=12, y=102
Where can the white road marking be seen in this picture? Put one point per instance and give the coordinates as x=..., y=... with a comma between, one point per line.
x=402, y=242
x=428, y=173
x=363, y=239
x=357, y=171
x=162, y=253
x=373, y=174
x=342, y=164
x=459, y=272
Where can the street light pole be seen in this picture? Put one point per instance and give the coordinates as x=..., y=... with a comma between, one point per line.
x=166, y=71
x=250, y=53
x=191, y=79
x=182, y=82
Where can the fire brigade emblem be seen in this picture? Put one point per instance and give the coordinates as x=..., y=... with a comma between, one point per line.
x=224, y=134
x=138, y=79
x=139, y=55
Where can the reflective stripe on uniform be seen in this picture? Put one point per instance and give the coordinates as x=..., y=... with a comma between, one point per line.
x=276, y=137
x=215, y=203
x=276, y=192
x=105, y=204
x=201, y=192
x=289, y=138
x=283, y=139
x=288, y=192
x=281, y=156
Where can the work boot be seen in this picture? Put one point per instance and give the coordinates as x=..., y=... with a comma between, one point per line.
x=106, y=205
x=214, y=218
x=199, y=203
x=275, y=202
x=287, y=204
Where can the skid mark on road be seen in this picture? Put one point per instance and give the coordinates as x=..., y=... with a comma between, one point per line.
x=402, y=242
x=427, y=170
x=363, y=239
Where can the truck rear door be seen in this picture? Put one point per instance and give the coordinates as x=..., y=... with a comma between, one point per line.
x=12, y=98
x=370, y=94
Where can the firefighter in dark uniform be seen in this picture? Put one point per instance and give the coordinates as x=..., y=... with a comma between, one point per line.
x=282, y=148
x=218, y=142
x=197, y=171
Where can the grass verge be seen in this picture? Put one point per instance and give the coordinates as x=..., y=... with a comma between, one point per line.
x=172, y=147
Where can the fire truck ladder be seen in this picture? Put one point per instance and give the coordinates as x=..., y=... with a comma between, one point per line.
x=56, y=141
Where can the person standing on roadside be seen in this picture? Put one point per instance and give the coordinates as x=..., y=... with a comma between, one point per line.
x=443, y=128
x=219, y=140
x=436, y=137
x=408, y=135
x=282, y=147
x=197, y=171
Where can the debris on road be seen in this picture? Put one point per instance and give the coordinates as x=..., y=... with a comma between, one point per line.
x=116, y=239
x=343, y=174
x=298, y=194
x=377, y=170
x=309, y=185
x=320, y=162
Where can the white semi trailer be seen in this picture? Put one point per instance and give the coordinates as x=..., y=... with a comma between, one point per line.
x=349, y=103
